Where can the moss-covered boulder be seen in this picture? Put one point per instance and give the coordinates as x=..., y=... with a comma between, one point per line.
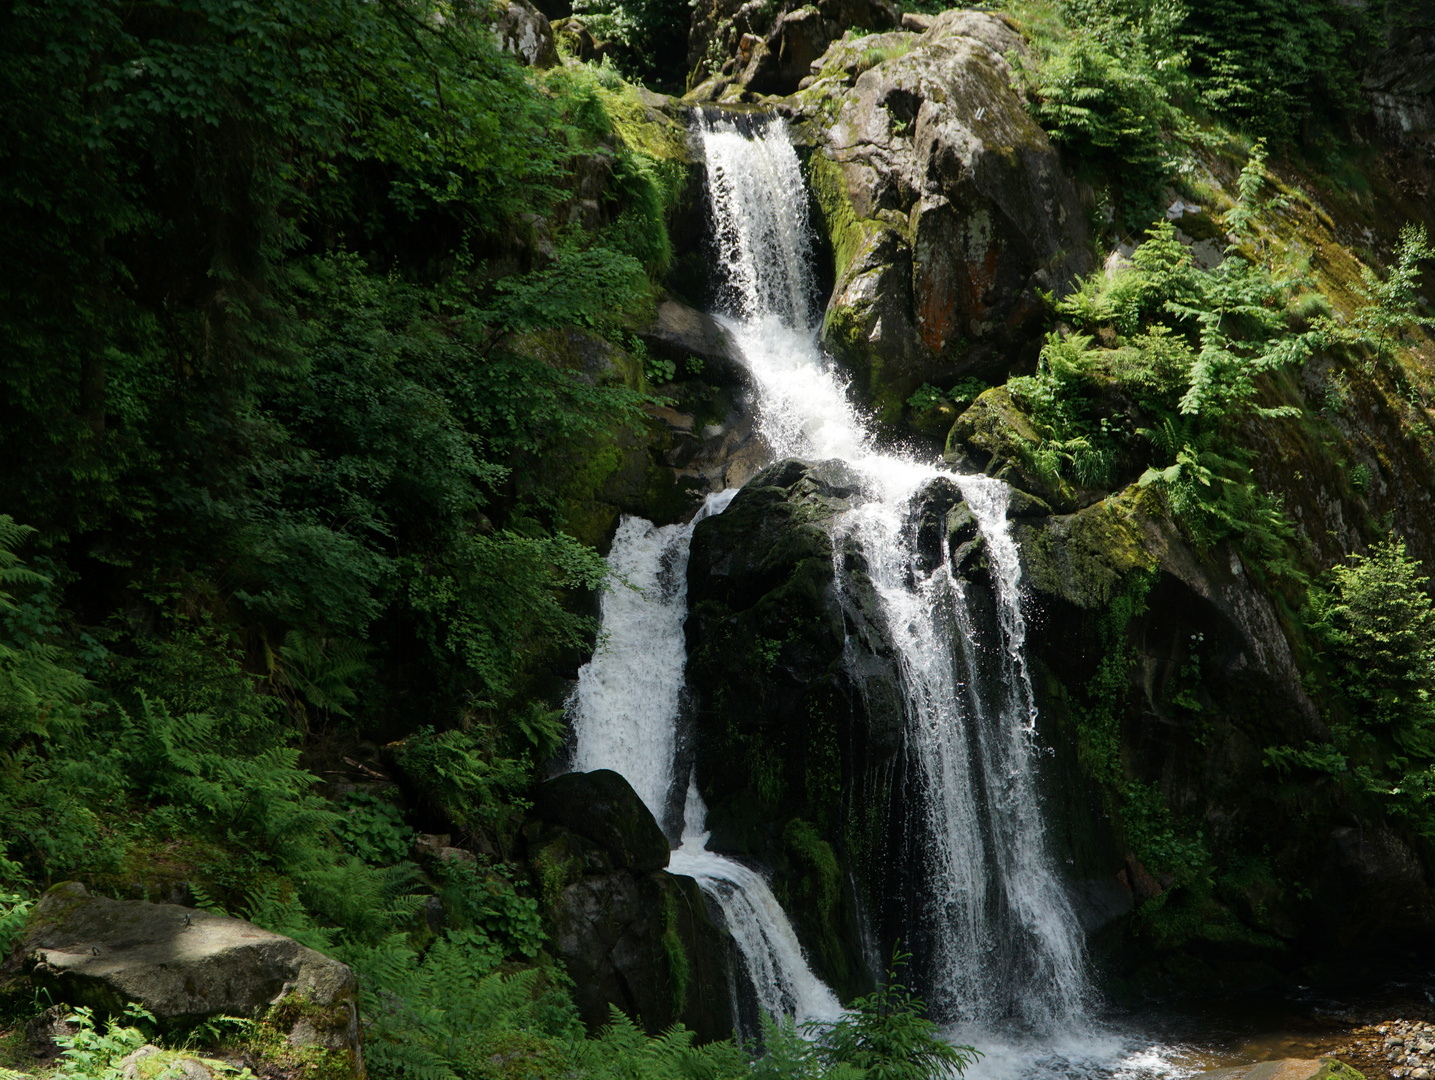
x=629, y=933
x=945, y=203
x=184, y=965
x=1164, y=673
x=795, y=706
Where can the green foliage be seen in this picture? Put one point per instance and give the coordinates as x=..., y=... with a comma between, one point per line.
x=1374, y=619
x=885, y=1036
x=1377, y=621
x=37, y=690
x=623, y=1052
x=14, y=910
x=449, y=1015
x=92, y=1054
x=460, y=776
x=486, y=902
x=963, y=392
x=1191, y=347
x=1268, y=65
x=373, y=828
x=1393, y=305
x=647, y=38
x=1105, y=93
x=1240, y=218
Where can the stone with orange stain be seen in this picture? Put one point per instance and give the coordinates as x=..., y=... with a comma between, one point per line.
x=946, y=204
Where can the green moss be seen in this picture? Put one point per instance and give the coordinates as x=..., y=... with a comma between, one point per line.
x=644, y=126
x=820, y=887
x=15, y=1054
x=847, y=233
x=1178, y=918
x=1089, y=557
x=675, y=953
x=270, y=1040
x=557, y=868
x=1333, y=1069
x=820, y=863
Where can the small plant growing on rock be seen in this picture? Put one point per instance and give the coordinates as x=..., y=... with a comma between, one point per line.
x=1392, y=304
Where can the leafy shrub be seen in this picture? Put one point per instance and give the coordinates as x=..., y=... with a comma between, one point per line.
x=14, y=910
x=648, y=38
x=885, y=1036
x=1374, y=620
x=1105, y=93
x=1377, y=621
x=373, y=828
x=1393, y=304
x=1268, y=65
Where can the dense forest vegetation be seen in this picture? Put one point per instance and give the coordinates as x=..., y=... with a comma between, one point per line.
x=289, y=481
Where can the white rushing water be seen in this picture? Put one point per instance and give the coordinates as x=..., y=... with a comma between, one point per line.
x=625, y=709
x=625, y=712
x=1009, y=949
x=782, y=981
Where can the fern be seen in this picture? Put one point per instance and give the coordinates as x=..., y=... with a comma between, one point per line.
x=322, y=669
x=446, y=1013
x=622, y=1051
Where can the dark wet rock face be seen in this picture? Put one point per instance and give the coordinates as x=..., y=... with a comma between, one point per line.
x=1399, y=79
x=796, y=709
x=629, y=933
x=602, y=808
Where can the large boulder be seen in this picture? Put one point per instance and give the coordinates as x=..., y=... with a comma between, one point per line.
x=602, y=808
x=945, y=203
x=796, y=712
x=182, y=965
x=679, y=333
x=629, y=933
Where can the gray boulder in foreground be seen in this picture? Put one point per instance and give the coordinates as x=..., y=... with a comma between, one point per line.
x=183, y=964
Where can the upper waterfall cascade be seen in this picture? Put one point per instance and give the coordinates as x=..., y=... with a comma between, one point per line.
x=1008, y=942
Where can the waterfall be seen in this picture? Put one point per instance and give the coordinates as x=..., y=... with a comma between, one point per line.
x=1007, y=943
x=625, y=712
x=782, y=981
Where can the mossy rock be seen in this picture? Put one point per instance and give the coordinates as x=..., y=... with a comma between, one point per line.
x=602, y=807
x=945, y=204
x=1087, y=557
x=796, y=700
x=996, y=435
x=184, y=965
